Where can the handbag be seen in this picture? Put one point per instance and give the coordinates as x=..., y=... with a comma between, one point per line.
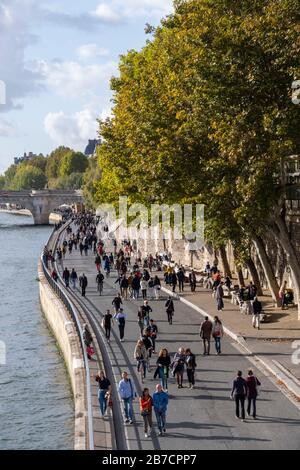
x=145, y=412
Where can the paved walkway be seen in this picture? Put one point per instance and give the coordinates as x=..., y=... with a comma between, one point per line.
x=275, y=338
x=202, y=418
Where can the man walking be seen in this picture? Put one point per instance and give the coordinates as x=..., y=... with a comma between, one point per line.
x=257, y=309
x=83, y=284
x=160, y=403
x=170, y=310
x=127, y=394
x=74, y=278
x=181, y=278
x=117, y=302
x=107, y=319
x=66, y=277
x=239, y=393
x=205, y=333
x=220, y=296
x=193, y=281
x=121, y=319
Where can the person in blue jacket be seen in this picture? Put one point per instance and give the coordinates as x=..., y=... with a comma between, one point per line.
x=160, y=404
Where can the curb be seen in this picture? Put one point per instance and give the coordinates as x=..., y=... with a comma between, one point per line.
x=276, y=369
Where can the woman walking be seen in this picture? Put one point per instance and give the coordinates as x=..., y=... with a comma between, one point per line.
x=104, y=391
x=178, y=366
x=121, y=319
x=146, y=405
x=190, y=360
x=169, y=305
x=163, y=365
x=140, y=355
x=156, y=287
x=252, y=392
x=218, y=333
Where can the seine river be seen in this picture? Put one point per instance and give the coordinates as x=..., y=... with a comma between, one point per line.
x=36, y=406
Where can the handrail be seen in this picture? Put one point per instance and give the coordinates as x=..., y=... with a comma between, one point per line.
x=72, y=311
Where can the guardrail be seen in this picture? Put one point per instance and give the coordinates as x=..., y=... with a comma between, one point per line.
x=73, y=313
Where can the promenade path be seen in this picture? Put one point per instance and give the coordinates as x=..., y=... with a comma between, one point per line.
x=273, y=341
x=202, y=418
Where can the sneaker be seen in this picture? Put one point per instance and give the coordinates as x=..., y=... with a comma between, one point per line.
x=131, y=422
x=164, y=430
x=126, y=421
x=248, y=414
x=237, y=417
x=160, y=433
x=146, y=435
x=192, y=386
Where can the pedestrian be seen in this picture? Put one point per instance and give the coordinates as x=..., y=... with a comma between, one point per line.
x=156, y=286
x=282, y=295
x=252, y=392
x=87, y=337
x=140, y=355
x=251, y=291
x=127, y=394
x=181, y=278
x=257, y=309
x=74, y=278
x=117, y=302
x=147, y=340
x=163, y=366
x=160, y=404
x=193, y=280
x=107, y=321
x=239, y=393
x=146, y=405
x=83, y=284
x=136, y=285
x=100, y=281
x=220, y=296
x=154, y=333
x=169, y=305
x=217, y=333
x=66, y=277
x=121, y=319
x=190, y=360
x=124, y=287
x=178, y=366
x=174, y=281
x=141, y=319
x=54, y=275
x=146, y=310
x=103, y=392
x=144, y=285
x=98, y=262
x=205, y=334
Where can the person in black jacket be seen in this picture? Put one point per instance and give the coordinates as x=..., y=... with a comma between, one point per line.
x=83, y=284
x=190, y=360
x=170, y=310
x=117, y=302
x=181, y=278
x=239, y=392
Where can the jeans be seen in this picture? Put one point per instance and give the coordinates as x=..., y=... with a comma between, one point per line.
x=141, y=363
x=74, y=281
x=107, y=332
x=181, y=286
x=136, y=293
x=240, y=399
x=163, y=378
x=253, y=402
x=191, y=376
x=161, y=419
x=102, y=401
x=147, y=422
x=128, y=408
x=170, y=317
x=218, y=344
x=122, y=331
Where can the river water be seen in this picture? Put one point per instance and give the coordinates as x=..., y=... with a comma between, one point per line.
x=36, y=405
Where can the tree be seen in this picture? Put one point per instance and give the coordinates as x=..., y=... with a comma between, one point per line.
x=73, y=162
x=54, y=161
x=38, y=162
x=2, y=182
x=28, y=177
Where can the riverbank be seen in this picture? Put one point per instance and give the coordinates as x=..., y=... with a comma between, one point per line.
x=54, y=218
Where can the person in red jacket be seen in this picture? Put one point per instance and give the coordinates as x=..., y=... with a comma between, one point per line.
x=146, y=405
x=252, y=393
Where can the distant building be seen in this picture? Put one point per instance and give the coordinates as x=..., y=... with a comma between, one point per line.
x=91, y=148
x=25, y=158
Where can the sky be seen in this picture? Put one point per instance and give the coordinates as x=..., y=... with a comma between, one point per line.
x=56, y=61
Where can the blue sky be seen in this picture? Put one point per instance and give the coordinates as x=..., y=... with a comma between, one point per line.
x=56, y=60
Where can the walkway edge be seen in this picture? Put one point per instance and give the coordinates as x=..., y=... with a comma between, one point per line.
x=280, y=373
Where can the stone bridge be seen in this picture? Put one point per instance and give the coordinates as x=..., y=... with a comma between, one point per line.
x=41, y=203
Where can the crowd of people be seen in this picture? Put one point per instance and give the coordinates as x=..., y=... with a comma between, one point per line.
x=137, y=281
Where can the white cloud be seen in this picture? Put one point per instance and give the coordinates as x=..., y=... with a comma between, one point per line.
x=133, y=8
x=73, y=130
x=106, y=13
x=91, y=51
x=72, y=80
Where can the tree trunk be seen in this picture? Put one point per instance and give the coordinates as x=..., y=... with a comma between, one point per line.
x=254, y=274
x=283, y=237
x=240, y=276
x=268, y=270
x=224, y=258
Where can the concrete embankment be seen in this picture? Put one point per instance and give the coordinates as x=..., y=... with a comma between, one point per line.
x=68, y=341
x=54, y=218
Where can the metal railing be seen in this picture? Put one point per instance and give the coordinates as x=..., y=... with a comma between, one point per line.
x=58, y=290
